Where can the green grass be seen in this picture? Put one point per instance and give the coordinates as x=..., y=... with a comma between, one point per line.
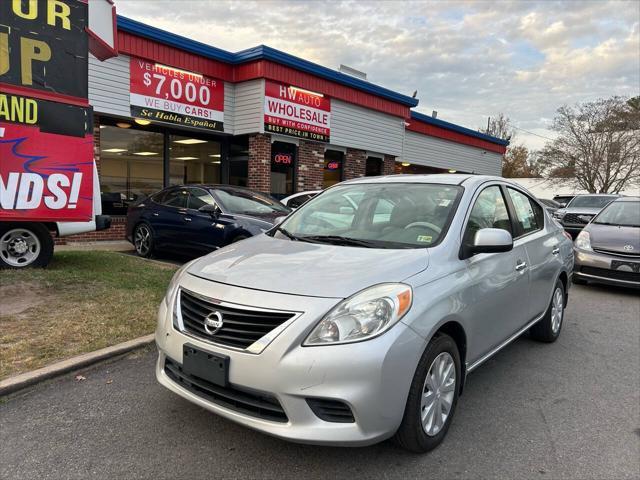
x=82, y=302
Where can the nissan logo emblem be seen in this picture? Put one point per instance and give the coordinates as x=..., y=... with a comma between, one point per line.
x=213, y=322
x=628, y=248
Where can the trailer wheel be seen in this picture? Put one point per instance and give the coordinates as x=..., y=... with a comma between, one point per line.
x=25, y=245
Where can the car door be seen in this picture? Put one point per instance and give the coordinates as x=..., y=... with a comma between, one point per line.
x=542, y=246
x=168, y=218
x=499, y=281
x=205, y=231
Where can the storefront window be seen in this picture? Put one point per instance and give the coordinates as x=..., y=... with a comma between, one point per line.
x=130, y=166
x=283, y=156
x=193, y=160
x=333, y=161
x=239, y=161
x=373, y=167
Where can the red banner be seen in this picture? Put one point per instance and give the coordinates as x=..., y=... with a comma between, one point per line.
x=167, y=94
x=45, y=176
x=293, y=111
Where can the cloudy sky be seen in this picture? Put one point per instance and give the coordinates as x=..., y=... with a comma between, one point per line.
x=468, y=60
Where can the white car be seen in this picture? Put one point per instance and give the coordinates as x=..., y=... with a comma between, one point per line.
x=297, y=199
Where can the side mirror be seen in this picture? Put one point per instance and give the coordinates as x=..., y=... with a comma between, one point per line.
x=212, y=210
x=489, y=240
x=279, y=220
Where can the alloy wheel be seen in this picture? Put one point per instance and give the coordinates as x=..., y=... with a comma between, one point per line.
x=438, y=394
x=142, y=240
x=557, y=309
x=19, y=247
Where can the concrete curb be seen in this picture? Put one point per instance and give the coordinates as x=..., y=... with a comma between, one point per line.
x=13, y=384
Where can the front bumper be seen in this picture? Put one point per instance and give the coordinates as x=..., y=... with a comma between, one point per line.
x=372, y=377
x=598, y=267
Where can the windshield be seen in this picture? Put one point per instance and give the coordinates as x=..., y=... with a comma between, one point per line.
x=590, y=201
x=249, y=203
x=624, y=214
x=391, y=215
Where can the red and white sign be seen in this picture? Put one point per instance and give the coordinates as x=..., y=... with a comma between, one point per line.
x=167, y=94
x=45, y=176
x=297, y=112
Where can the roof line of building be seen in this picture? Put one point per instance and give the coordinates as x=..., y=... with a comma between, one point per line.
x=421, y=117
x=261, y=52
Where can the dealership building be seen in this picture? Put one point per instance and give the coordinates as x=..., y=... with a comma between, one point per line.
x=170, y=110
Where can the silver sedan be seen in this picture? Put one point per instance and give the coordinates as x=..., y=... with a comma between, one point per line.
x=355, y=321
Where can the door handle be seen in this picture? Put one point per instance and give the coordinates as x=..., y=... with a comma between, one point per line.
x=156, y=214
x=521, y=266
x=555, y=251
x=187, y=219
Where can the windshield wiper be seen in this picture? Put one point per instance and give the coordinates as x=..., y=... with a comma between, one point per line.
x=339, y=240
x=287, y=234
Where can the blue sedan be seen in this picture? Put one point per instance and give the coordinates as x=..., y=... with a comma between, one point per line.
x=197, y=219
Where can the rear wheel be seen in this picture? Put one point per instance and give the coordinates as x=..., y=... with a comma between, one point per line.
x=548, y=329
x=143, y=240
x=433, y=396
x=25, y=245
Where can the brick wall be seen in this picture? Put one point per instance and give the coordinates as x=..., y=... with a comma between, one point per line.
x=115, y=232
x=259, y=167
x=389, y=166
x=310, y=166
x=355, y=164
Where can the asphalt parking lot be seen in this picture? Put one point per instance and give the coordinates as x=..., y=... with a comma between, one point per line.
x=565, y=410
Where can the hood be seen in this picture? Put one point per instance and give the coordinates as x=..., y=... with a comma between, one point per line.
x=301, y=268
x=615, y=239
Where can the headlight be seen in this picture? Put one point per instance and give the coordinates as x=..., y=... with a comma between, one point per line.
x=365, y=315
x=558, y=215
x=583, y=242
x=175, y=280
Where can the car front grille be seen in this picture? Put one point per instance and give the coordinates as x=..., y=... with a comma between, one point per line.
x=612, y=274
x=259, y=405
x=241, y=327
x=330, y=410
x=613, y=252
x=573, y=219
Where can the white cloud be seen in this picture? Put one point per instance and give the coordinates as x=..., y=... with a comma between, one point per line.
x=468, y=60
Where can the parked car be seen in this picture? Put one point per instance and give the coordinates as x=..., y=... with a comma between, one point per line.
x=563, y=200
x=580, y=210
x=196, y=219
x=607, y=250
x=348, y=333
x=297, y=199
x=549, y=205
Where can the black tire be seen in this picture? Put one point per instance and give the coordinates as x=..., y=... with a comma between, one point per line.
x=39, y=252
x=411, y=435
x=141, y=232
x=547, y=330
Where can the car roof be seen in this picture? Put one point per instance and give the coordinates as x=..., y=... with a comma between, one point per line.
x=627, y=199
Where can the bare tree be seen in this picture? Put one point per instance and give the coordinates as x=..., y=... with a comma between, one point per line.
x=598, y=145
x=500, y=127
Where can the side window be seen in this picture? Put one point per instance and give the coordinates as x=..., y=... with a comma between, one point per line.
x=296, y=202
x=176, y=198
x=489, y=211
x=199, y=197
x=528, y=213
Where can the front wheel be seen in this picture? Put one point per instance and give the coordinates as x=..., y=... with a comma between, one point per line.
x=25, y=245
x=548, y=329
x=143, y=240
x=433, y=396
